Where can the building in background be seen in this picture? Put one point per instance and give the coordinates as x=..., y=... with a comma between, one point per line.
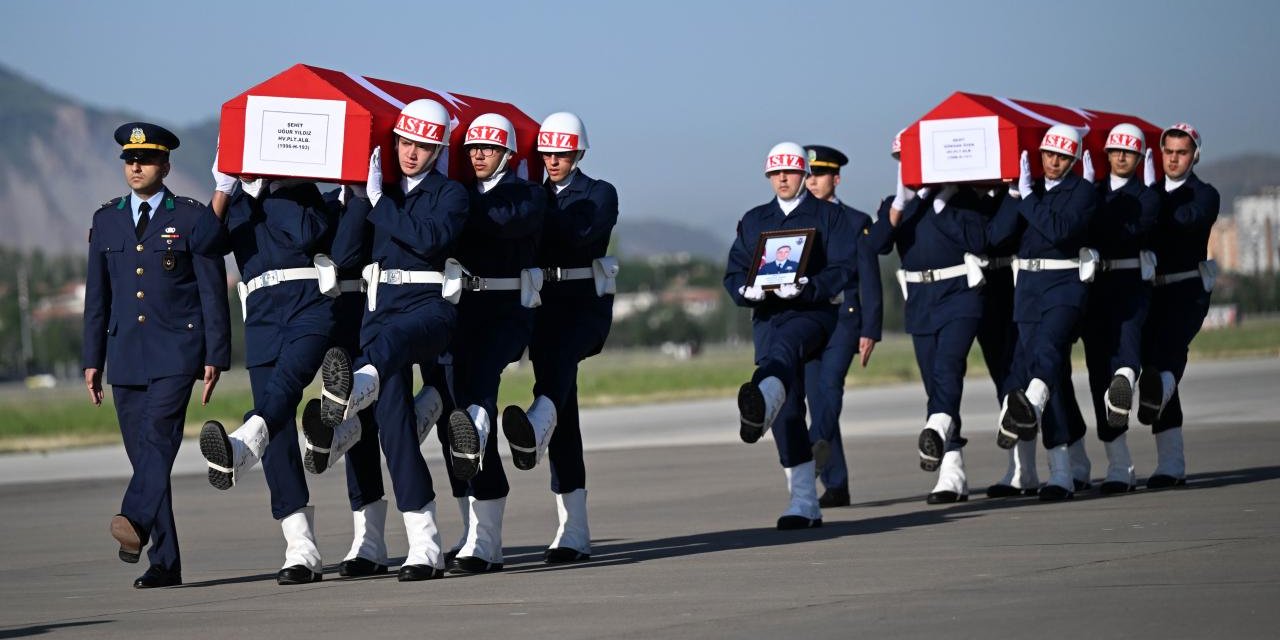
x=1257, y=231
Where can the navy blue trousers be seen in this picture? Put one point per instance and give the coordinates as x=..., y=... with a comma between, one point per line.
x=277, y=390
x=1176, y=314
x=1112, y=336
x=824, y=389
x=1044, y=352
x=151, y=418
x=997, y=332
x=392, y=346
x=364, y=459
x=783, y=344
x=566, y=331
x=943, y=357
x=492, y=333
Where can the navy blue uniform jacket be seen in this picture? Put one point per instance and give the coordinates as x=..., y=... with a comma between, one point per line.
x=283, y=229
x=863, y=310
x=502, y=234
x=1181, y=235
x=149, y=322
x=575, y=232
x=1124, y=220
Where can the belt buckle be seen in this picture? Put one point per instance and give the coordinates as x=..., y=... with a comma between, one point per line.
x=1033, y=264
x=270, y=279
x=551, y=274
x=926, y=275
x=394, y=276
x=473, y=283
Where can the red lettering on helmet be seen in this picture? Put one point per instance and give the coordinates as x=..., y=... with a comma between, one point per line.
x=557, y=139
x=495, y=135
x=783, y=161
x=421, y=128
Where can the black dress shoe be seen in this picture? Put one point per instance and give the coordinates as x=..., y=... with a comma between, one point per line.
x=360, y=567
x=946, y=497
x=1054, y=493
x=130, y=536
x=791, y=523
x=158, y=576
x=560, y=555
x=751, y=410
x=834, y=497
x=315, y=457
x=1150, y=393
x=931, y=449
x=1019, y=422
x=1160, y=481
x=1009, y=491
x=1119, y=394
x=416, y=572
x=520, y=437
x=1082, y=485
x=472, y=564
x=298, y=574
x=1113, y=487
x=215, y=446
x=450, y=556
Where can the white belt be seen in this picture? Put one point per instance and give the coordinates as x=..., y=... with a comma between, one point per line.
x=604, y=271
x=477, y=283
x=560, y=274
x=1121, y=264
x=1207, y=271
x=1045, y=264
x=400, y=276
x=971, y=270
x=270, y=279
x=1145, y=263
x=450, y=280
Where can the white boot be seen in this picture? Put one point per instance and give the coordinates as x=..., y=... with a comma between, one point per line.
x=427, y=407
x=1120, y=475
x=424, y=560
x=370, y=541
x=302, y=562
x=468, y=437
x=758, y=407
x=229, y=455
x=345, y=436
x=364, y=390
x=1061, y=483
x=802, y=511
x=1021, y=478
x=573, y=537
x=952, y=484
x=1081, y=467
x=1171, y=466
x=934, y=440
x=464, y=506
x=543, y=418
x=483, y=548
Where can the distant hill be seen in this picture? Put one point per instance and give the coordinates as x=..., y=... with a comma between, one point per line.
x=1241, y=175
x=644, y=238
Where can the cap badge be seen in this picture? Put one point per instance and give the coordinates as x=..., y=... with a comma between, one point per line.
x=137, y=136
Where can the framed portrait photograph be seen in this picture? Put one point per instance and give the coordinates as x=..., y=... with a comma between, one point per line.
x=781, y=257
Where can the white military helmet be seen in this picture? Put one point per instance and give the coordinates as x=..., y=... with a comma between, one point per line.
x=1189, y=130
x=562, y=131
x=424, y=121
x=1126, y=137
x=492, y=129
x=1063, y=139
x=786, y=156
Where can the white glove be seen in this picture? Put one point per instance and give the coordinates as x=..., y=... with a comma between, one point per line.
x=752, y=293
x=940, y=202
x=374, y=183
x=788, y=291
x=252, y=187
x=902, y=196
x=344, y=194
x=1149, y=169
x=1024, y=176
x=221, y=181
x=924, y=192
x=1087, y=170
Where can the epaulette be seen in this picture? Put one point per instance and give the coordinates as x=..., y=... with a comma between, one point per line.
x=189, y=201
x=114, y=202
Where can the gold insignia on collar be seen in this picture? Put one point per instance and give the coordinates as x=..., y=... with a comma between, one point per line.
x=137, y=136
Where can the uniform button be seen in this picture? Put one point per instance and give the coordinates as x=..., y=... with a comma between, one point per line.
x=142, y=318
x=850, y=309
x=139, y=270
x=140, y=295
x=139, y=248
x=190, y=326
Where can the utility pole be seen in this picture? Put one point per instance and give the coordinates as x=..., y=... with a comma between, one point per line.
x=24, y=317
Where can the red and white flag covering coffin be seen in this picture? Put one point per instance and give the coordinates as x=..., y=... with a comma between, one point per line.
x=321, y=124
x=977, y=138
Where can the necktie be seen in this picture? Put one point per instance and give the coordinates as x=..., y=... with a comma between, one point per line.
x=143, y=218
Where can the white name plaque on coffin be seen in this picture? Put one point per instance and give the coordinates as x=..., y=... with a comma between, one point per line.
x=960, y=149
x=294, y=136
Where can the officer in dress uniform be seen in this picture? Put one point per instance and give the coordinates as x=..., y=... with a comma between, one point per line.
x=939, y=232
x=1052, y=219
x=1180, y=300
x=276, y=228
x=499, y=250
x=570, y=326
x=411, y=228
x=156, y=309
x=792, y=323
x=1118, y=297
x=857, y=331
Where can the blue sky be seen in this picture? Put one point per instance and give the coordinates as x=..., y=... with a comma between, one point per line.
x=683, y=99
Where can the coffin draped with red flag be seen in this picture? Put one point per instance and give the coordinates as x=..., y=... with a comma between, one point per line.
x=977, y=138
x=321, y=124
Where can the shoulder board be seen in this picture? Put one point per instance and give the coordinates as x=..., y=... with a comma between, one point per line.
x=117, y=202
x=188, y=201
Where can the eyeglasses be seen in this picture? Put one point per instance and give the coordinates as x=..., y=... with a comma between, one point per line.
x=484, y=150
